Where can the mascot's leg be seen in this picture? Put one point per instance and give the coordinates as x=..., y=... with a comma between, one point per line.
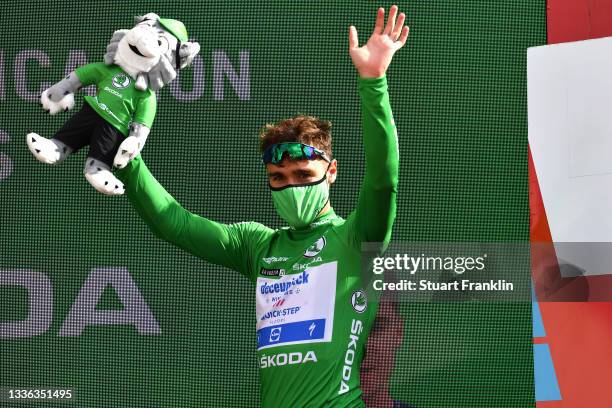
x=100, y=177
x=72, y=136
x=103, y=145
x=47, y=151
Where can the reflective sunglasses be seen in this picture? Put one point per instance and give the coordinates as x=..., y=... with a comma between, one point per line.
x=297, y=151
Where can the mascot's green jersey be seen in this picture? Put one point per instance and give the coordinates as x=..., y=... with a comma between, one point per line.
x=117, y=99
x=312, y=317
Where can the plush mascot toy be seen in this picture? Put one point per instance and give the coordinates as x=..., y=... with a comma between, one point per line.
x=116, y=122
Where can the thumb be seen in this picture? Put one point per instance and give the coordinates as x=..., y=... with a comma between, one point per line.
x=353, y=39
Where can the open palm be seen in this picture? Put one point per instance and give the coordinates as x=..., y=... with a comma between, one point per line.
x=373, y=59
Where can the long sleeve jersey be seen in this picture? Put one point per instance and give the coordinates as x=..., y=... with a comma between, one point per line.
x=312, y=314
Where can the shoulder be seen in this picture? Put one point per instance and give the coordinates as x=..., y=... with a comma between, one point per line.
x=253, y=231
x=94, y=67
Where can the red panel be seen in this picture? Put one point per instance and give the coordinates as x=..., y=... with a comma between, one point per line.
x=580, y=339
x=574, y=20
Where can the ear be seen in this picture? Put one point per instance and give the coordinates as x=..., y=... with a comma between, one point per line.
x=187, y=53
x=148, y=16
x=333, y=171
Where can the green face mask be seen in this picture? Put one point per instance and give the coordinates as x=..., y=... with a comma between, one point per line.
x=300, y=205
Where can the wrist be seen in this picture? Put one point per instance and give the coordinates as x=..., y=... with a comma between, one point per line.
x=365, y=73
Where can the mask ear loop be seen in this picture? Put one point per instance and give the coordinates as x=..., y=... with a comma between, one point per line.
x=177, y=56
x=328, y=196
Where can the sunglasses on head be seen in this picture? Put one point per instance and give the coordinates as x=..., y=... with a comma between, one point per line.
x=275, y=153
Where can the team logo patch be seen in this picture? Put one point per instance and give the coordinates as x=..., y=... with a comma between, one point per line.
x=359, y=301
x=315, y=248
x=121, y=81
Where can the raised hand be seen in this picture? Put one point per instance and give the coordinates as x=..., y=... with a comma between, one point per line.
x=373, y=59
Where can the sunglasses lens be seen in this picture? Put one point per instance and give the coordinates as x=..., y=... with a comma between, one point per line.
x=274, y=154
x=267, y=156
x=309, y=152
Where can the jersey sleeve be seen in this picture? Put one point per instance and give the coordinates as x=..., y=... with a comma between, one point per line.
x=146, y=110
x=91, y=73
x=373, y=218
x=229, y=245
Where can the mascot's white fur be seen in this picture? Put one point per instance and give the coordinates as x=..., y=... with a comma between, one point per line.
x=151, y=53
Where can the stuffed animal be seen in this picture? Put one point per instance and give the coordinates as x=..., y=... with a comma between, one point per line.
x=116, y=122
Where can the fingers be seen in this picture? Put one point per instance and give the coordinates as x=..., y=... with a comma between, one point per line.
x=380, y=20
x=353, y=39
x=391, y=20
x=397, y=30
x=402, y=40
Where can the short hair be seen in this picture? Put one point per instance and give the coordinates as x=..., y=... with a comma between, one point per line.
x=305, y=129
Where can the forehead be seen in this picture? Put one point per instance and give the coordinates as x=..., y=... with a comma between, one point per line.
x=288, y=166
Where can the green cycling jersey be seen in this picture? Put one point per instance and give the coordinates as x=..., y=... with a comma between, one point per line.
x=312, y=314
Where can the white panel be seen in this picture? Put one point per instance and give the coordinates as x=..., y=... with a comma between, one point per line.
x=569, y=89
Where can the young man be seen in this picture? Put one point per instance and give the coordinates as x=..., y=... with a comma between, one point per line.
x=313, y=316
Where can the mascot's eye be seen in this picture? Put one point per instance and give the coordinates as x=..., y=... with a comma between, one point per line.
x=163, y=44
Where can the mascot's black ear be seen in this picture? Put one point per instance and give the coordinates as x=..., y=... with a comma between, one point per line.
x=148, y=16
x=187, y=52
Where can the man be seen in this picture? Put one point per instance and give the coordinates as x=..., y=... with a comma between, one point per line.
x=385, y=338
x=313, y=317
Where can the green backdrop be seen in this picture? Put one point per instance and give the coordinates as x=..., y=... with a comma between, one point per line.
x=458, y=93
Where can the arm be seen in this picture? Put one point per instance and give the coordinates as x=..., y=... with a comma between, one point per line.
x=60, y=97
x=66, y=86
x=373, y=218
x=229, y=245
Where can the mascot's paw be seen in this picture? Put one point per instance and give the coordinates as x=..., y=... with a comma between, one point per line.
x=100, y=177
x=128, y=149
x=43, y=149
x=51, y=107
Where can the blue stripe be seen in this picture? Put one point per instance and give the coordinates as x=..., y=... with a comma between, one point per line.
x=546, y=385
x=538, y=323
x=290, y=332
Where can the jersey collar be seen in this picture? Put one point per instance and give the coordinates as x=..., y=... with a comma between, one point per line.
x=318, y=223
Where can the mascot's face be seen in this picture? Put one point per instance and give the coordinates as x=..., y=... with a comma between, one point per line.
x=141, y=48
